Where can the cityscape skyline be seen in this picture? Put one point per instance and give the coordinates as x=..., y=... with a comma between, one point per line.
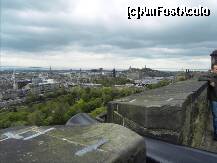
x=81, y=34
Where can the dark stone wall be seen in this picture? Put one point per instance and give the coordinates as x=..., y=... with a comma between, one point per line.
x=195, y=119
x=176, y=113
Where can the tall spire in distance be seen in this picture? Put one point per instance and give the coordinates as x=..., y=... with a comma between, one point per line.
x=14, y=80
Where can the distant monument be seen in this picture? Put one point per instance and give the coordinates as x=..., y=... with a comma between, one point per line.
x=114, y=73
x=14, y=80
x=187, y=74
x=213, y=57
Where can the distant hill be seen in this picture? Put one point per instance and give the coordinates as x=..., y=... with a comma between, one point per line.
x=19, y=68
x=135, y=73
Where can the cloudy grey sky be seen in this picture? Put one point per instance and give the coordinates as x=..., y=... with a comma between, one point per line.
x=97, y=33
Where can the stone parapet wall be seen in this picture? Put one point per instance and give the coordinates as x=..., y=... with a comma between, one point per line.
x=110, y=143
x=176, y=113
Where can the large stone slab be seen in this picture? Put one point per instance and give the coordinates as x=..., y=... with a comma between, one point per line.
x=176, y=113
x=78, y=144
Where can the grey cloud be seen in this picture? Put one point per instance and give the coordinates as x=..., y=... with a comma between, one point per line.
x=20, y=34
x=32, y=4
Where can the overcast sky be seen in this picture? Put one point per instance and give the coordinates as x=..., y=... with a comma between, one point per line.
x=97, y=33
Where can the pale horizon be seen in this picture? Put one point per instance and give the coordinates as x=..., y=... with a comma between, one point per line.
x=84, y=34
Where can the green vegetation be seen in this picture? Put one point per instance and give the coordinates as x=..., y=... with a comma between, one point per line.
x=110, y=81
x=181, y=76
x=98, y=111
x=56, y=108
x=160, y=84
x=33, y=98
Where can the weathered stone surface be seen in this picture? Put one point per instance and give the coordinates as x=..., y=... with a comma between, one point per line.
x=177, y=113
x=209, y=144
x=81, y=119
x=75, y=144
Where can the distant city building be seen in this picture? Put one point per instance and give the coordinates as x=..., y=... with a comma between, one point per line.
x=37, y=80
x=188, y=74
x=13, y=78
x=5, y=84
x=50, y=73
x=114, y=73
x=12, y=94
x=22, y=83
x=40, y=86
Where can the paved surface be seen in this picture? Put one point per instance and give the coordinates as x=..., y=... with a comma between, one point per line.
x=169, y=153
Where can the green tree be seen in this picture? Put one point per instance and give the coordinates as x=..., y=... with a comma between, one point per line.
x=76, y=108
x=36, y=118
x=98, y=111
x=58, y=113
